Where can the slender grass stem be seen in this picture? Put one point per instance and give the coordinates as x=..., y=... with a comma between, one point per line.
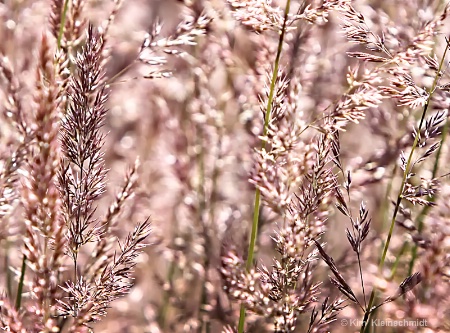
x=212, y=218
x=9, y=274
x=62, y=24
x=424, y=212
x=201, y=218
x=21, y=281
x=408, y=167
x=257, y=204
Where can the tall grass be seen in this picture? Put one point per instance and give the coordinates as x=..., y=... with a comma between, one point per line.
x=289, y=155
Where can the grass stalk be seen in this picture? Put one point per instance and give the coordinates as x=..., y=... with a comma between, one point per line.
x=257, y=202
x=424, y=212
x=201, y=210
x=9, y=274
x=368, y=311
x=63, y=23
x=21, y=281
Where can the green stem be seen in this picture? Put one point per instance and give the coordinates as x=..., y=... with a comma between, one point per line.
x=254, y=232
x=400, y=193
x=201, y=210
x=9, y=275
x=215, y=176
x=423, y=214
x=62, y=24
x=20, y=286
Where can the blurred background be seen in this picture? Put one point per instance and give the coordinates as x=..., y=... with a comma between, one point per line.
x=195, y=133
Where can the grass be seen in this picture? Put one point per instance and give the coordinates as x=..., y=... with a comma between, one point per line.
x=223, y=166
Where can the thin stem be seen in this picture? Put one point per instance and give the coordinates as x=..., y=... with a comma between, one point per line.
x=122, y=71
x=62, y=24
x=400, y=193
x=201, y=218
x=79, y=232
x=20, y=286
x=362, y=278
x=212, y=202
x=257, y=204
x=426, y=209
x=9, y=275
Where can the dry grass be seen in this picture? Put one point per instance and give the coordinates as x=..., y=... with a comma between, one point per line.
x=224, y=166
